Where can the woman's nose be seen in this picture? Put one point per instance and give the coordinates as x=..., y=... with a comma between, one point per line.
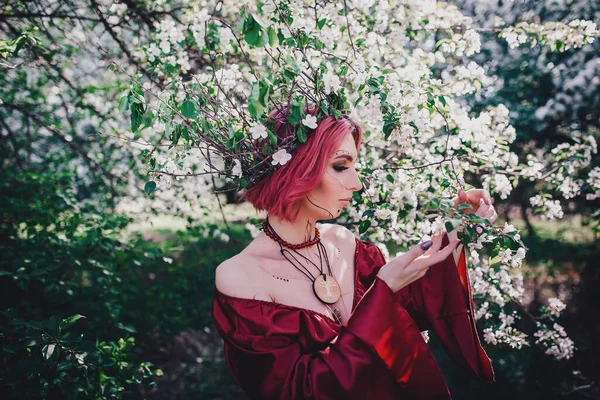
x=355, y=184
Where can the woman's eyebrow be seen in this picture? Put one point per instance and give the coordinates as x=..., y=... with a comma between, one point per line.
x=346, y=156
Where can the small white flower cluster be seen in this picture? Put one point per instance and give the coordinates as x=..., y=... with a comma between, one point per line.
x=460, y=44
x=534, y=168
x=570, y=187
x=555, y=306
x=560, y=35
x=254, y=231
x=383, y=213
x=215, y=234
x=550, y=209
x=505, y=335
x=594, y=181
x=496, y=284
x=555, y=340
x=168, y=34
x=332, y=82
x=574, y=156
x=513, y=260
x=231, y=79
x=118, y=8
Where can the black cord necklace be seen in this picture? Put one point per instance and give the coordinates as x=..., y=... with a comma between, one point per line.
x=325, y=286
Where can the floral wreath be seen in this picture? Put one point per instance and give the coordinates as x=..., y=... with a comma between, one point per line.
x=259, y=154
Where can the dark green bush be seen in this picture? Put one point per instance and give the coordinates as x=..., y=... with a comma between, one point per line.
x=64, y=330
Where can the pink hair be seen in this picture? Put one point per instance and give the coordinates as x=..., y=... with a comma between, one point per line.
x=290, y=183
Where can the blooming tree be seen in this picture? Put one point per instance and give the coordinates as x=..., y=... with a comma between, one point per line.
x=199, y=84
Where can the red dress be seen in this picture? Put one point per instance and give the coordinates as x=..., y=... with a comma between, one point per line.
x=276, y=351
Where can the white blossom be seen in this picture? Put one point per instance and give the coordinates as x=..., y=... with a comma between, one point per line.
x=332, y=82
x=237, y=168
x=258, y=131
x=310, y=121
x=281, y=157
x=555, y=306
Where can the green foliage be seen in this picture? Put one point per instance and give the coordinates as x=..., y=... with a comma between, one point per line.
x=63, y=275
x=253, y=32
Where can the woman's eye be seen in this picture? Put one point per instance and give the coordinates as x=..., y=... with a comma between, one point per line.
x=339, y=167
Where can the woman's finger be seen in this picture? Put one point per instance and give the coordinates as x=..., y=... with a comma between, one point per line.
x=414, y=252
x=489, y=213
x=429, y=260
x=437, y=243
x=483, y=208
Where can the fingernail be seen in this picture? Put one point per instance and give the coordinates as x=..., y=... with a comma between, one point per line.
x=426, y=245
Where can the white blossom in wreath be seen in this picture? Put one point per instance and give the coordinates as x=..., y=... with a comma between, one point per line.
x=258, y=131
x=281, y=157
x=310, y=121
x=237, y=168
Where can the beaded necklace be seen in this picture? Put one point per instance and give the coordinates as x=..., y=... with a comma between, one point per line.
x=325, y=286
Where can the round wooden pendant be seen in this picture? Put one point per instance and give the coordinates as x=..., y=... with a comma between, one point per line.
x=327, y=289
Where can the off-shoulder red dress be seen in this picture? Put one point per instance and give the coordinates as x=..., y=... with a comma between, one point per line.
x=276, y=351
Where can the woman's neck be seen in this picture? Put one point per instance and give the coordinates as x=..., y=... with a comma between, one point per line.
x=299, y=231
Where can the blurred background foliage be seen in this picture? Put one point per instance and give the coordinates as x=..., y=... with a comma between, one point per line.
x=97, y=305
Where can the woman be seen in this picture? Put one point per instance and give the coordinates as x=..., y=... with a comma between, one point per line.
x=313, y=312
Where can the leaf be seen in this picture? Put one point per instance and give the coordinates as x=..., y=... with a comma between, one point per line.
x=253, y=111
x=253, y=32
x=127, y=327
x=273, y=38
x=149, y=187
x=442, y=100
x=289, y=74
x=295, y=113
x=185, y=132
x=68, y=322
x=272, y=137
x=188, y=109
x=259, y=98
x=363, y=226
x=322, y=23
x=137, y=114
x=449, y=227
x=124, y=103
x=301, y=134
x=49, y=350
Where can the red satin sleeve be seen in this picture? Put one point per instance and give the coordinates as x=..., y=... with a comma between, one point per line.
x=442, y=301
x=379, y=353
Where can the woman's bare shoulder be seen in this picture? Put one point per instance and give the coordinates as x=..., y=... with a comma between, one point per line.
x=342, y=235
x=240, y=276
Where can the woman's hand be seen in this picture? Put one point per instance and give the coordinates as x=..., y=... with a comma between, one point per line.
x=480, y=201
x=412, y=265
x=481, y=204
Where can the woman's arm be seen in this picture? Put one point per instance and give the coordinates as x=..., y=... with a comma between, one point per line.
x=442, y=301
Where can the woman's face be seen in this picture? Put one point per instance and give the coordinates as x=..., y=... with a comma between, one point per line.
x=339, y=181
